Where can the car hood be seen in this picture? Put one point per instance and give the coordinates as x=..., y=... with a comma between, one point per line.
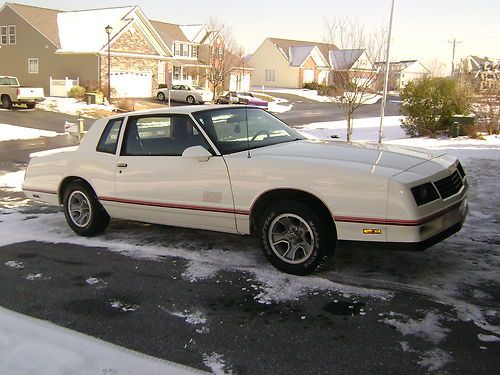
x=385, y=160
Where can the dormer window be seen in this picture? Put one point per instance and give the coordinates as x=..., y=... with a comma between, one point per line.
x=177, y=47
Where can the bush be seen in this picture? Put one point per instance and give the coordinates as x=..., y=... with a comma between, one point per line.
x=77, y=92
x=429, y=104
x=321, y=89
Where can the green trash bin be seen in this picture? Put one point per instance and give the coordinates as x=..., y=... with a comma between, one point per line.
x=94, y=98
x=462, y=125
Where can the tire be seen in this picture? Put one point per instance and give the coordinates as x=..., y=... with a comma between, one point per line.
x=30, y=105
x=295, y=227
x=190, y=99
x=161, y=96
x=6, y=102
x=97, y=218
x=218, y=101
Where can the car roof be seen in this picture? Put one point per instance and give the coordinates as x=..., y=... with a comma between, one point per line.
x=181, y=110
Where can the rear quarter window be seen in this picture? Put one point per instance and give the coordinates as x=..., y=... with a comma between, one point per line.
x=109, y=137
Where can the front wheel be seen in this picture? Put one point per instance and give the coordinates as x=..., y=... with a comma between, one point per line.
x=83, y=212
x=161, y=96
x=294, y=238
x=190, y=99
x=30, y=105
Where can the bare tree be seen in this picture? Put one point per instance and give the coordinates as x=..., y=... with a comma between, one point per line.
x=353, y=73
x=221, y=53
x=437, y=68
x=487, y=108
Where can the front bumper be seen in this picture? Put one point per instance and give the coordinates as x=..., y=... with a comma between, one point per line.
x=427, y=234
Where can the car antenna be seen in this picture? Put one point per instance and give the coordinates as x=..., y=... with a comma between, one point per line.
x=248, y=140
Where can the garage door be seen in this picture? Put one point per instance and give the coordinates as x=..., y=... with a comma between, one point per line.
x=131, y=84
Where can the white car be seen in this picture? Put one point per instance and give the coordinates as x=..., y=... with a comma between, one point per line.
x=241, y=170
x=190, y=94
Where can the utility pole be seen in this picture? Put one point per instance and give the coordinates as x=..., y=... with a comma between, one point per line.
x=454, y=42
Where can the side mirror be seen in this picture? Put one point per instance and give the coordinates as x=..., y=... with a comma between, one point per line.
x=197, y=152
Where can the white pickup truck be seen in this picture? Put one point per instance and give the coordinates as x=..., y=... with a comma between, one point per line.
x=12, y=93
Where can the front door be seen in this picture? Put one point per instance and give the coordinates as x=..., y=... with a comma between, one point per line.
x=154, y=183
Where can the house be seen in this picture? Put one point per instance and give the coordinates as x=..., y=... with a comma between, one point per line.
x=290, y=63
x=355, y=64
x=482, y=72
x=402, y=72
x=49, y=48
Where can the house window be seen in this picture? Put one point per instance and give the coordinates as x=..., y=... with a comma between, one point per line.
x=195, y=52
x=33, y=65
x=270, y=75
x=185, y=52
x=3, y=34
x=177, y=72
x=12, y=34
x=177, y=47
x=161, y=72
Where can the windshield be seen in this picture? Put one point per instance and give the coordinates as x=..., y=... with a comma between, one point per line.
x=239, y=129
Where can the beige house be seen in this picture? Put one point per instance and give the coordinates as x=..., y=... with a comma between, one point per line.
x=290, y=63
x=56, y=49
x=482, y=72
x=403, y=72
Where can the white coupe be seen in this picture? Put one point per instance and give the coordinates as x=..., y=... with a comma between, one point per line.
x=241, y=170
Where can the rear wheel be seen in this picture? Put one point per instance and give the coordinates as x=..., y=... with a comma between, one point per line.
x=190, y=99
x=161, y=96
x=83, y=212
x=6, y=102
x=294, y=238
x=30, y=105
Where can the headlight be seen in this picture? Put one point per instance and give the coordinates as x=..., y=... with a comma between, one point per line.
x=424, y=193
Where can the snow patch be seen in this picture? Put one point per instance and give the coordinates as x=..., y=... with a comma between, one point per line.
x=71, y=106
x=488, y=338
x=435, y=359
x=36, y=276
x=216, y=363
x=15, y=264
x=11, y=132
x=427, y=328
x=123, y=306
x=31, y=346
x=12, y=181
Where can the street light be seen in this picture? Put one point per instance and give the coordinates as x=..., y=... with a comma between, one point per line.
x=109, y=29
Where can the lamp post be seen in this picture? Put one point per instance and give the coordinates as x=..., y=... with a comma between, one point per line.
x=109, y=29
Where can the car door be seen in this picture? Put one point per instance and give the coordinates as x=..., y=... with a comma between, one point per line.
x=176, y=93
x=155, y=183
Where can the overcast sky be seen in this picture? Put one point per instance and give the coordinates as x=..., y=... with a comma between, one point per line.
x=422, y=28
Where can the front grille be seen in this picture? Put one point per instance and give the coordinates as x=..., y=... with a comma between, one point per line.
x=461, y=170
x=450, y=185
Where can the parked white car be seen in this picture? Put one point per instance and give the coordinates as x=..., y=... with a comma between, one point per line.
x=241, y=170
x=190, y=94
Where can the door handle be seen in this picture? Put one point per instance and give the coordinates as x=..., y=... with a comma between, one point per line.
x=121, y=165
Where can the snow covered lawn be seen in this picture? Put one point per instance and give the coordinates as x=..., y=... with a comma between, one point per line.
x=11, y=132
x=31, y=346
x=313, y=94
x=74, y=107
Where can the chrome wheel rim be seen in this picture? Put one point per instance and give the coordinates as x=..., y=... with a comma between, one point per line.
x=79, y=209
x=291, y=238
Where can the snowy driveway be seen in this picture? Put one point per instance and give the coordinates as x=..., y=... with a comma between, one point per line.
x=212, y=302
